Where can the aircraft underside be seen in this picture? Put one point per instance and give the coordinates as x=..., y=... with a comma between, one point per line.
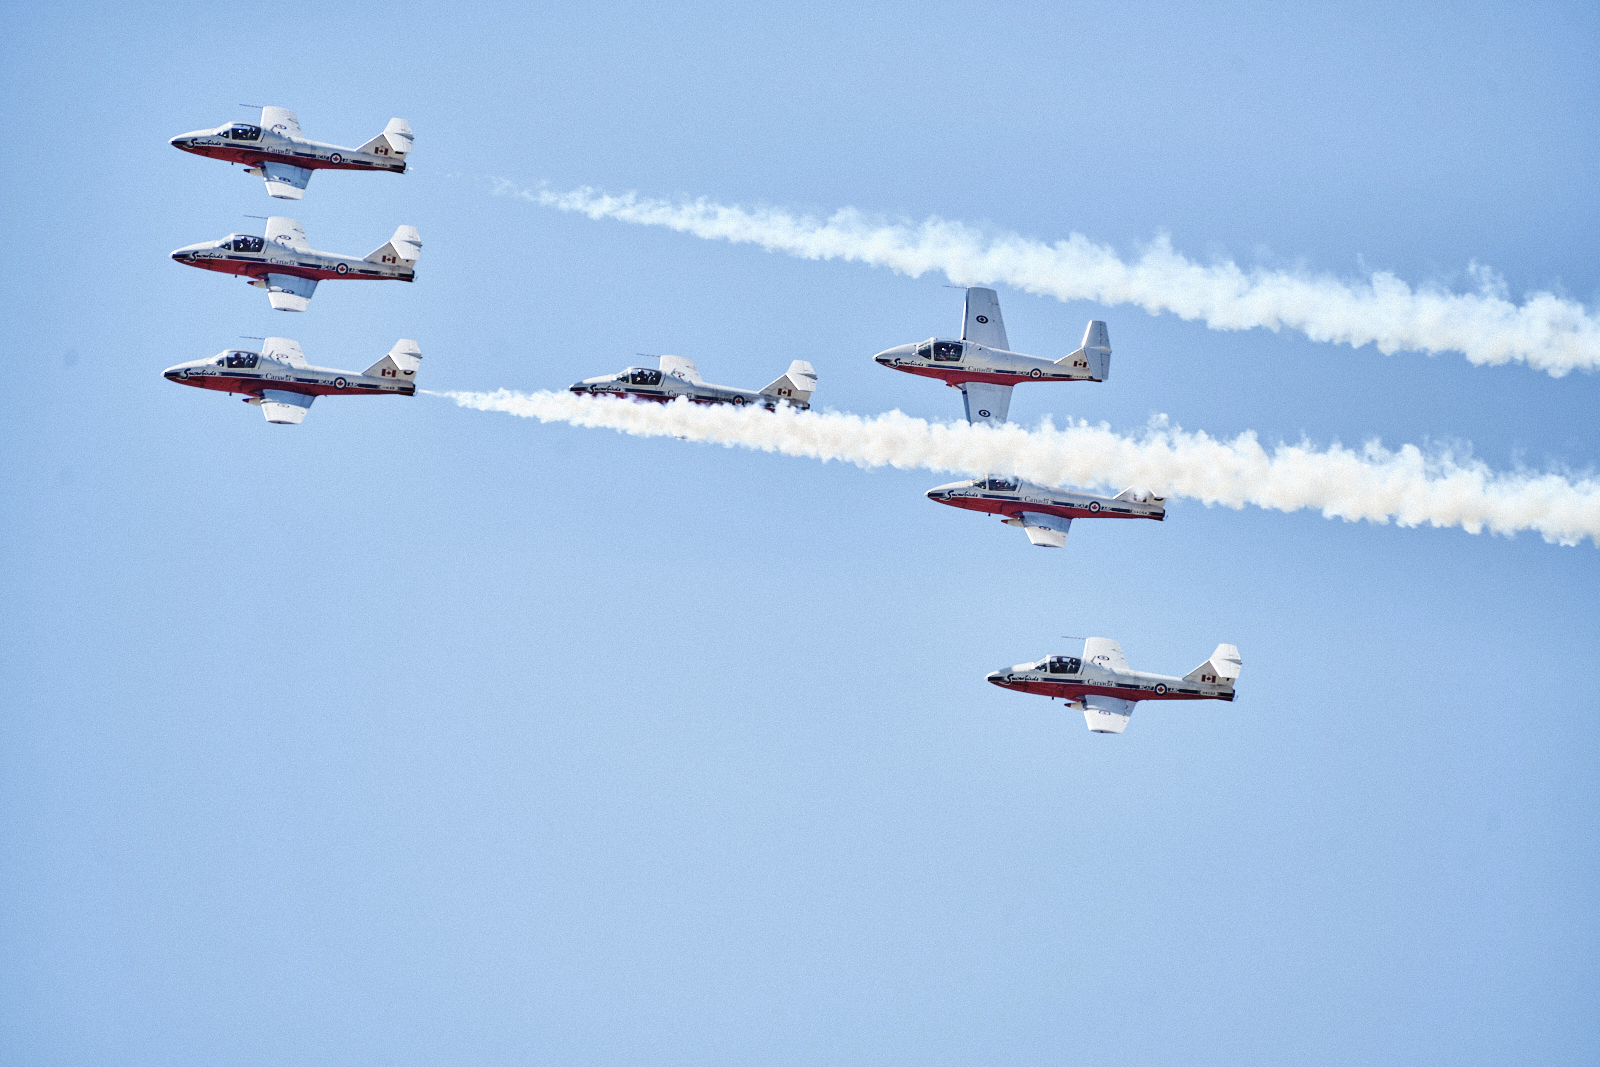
x=1013, y=508
x=1129, y=691
x=956, y=377
x=254, y=157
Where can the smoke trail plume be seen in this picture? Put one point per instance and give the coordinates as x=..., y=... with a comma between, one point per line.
x=1408, y=486
x=1545, y=331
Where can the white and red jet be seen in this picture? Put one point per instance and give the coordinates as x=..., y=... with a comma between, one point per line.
x=280, y=381
x=1045, y=514
x=985, y=369
x=277, y=151
x=288, y=268
x=677, y=377
x=1102, y=685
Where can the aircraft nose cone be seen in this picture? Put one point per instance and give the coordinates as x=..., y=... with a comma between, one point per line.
x=994, y=677
x=936, y=494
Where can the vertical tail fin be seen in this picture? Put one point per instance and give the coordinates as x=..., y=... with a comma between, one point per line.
x=1221, y=669
x=1094, y=354
x=400, y=364
x=403, y=248
x=395, y=140
x=796, y=385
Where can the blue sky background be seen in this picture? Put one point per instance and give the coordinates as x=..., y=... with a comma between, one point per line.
x=417, y=735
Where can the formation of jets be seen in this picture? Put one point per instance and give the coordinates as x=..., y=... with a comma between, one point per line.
x=980, y=363
x=277, y=378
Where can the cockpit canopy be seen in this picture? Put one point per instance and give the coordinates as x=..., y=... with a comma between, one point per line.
x=640, y=376
x=244, y=242
x=242, y=131
x=940, y=351
x=239, y=359
x=999, y=485
x=1062, y=664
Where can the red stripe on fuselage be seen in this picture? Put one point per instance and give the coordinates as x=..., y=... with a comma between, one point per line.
x=957, y=375
x=1011, y=508
x=253, y=157
x=1076, y=691
x=254, y=386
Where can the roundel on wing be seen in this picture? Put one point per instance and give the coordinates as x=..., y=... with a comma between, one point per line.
x=983, y=318
x=983, y=413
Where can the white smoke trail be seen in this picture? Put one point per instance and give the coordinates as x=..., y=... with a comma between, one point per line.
x=1546, y=332
x=1406, y=486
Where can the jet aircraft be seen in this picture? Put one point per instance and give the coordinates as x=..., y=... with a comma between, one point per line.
x=1102, y=685
x=1045, y=514
x=289, y=269
x=283, y=384
x=983, y=366
x=678, y=377
x=277, y=151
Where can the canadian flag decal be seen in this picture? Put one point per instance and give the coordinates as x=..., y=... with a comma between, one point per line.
x=388, y=372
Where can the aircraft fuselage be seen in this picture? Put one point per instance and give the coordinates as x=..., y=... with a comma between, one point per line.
x=958, y=362
x=240, y=371
x=1012, y=498
x=645, y=383
x=255, y=257
x=1070, y=678
x=270, y=147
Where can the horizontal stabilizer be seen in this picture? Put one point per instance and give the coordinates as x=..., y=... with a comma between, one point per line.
x=285, y=182
x=288, y=292
x=1221, y=669
x=285, y=408
x=797, y=383
x=400, y=364
x=405, y=247
x=395, y=140
x=1107, y=715
x=1139, y=496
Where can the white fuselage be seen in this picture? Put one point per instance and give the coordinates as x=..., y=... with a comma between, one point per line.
x=647, y=383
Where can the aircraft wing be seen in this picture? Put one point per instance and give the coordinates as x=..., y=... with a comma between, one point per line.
x=284, y=351
x=682, y=368
x=983, y=324
x=281, y=121
x=986, y=402
x=1096, y=647
x=1107, y=715
x=1046, y=531
x=285, y=182
x=287, y=232
x=290, y=293
x=281, y=406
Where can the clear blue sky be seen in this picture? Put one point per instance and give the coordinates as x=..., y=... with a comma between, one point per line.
x=416, y=735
